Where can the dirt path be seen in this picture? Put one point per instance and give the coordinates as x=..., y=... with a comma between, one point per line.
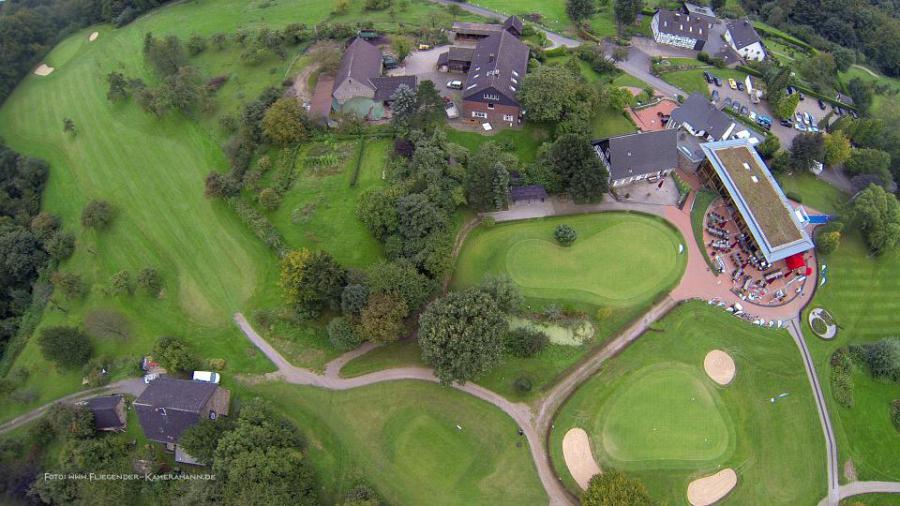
x=133, y=386
x=300, y=88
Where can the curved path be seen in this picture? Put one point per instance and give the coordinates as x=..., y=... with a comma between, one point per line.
x=133, y=386
x=865, y=487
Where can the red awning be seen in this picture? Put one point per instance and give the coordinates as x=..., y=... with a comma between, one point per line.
x=795, y=261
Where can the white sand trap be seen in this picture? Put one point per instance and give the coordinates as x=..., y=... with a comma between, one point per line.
x=93, y=36
x=578, y=457
x=43, y=70
x=719, y=366
x=708, y=490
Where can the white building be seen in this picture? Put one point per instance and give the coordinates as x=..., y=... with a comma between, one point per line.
x=681, y=30
x=741, y=36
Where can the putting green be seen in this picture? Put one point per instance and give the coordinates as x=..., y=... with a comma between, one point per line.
x=618, y=259
x=667, y=412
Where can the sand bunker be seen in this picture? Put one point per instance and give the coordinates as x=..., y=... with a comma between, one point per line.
x=719, y=366
x=578, y=457
x=710, y=489
x=93, y=36
x=43, y=70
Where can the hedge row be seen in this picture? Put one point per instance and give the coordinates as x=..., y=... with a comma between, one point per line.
x=841, y=377
x=259, y=224
x=359, y=159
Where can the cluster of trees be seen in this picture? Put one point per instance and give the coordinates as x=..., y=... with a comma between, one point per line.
x=613, y=488
x=28, y=30
x=871, y=28
x=882, y=357
x=421, y=108
x=877, y=213
x=881, y=135
x=777, y=80
x=30, y=241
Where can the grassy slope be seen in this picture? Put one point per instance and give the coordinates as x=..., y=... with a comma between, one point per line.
x=152, y=170
x=525, y=140
x=861, y=294
x=776, y=449
x=815, y=192
x=691, y=81
x=402, y=438
x=701, y=203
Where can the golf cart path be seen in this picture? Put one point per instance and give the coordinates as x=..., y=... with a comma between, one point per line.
x=833, y=497
x=331, y=380
x=555, y=39
x=865, y=487
x=133, y=386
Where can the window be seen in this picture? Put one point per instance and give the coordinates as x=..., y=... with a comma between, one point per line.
x=515, y=73
x=490, y=106
x=489, y=96
x=508, y=117
x=479, y=114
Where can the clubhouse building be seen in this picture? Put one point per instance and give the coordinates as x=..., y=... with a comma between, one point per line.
x=762, y=212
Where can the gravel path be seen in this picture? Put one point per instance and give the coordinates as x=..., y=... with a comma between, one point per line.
x=133, y=386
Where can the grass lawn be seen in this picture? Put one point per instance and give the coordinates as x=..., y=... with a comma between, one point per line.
x=553, y=12
x=618, y=260
x=691, y=81
x=152, y=171
x=401, y=437
x=815, y=192
x=525, y=141
x=608, y=122
x=653, y=412
x=861, y=295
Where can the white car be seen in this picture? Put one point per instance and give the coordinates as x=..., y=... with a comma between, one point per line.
x=452, y=110
x=206, y=376
x=455, y=84
x=150, y=377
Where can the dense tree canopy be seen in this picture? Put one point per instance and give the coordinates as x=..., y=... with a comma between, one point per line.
x=582, y=173
x=285, y=122
x=487, y=169
x=461, y=335
x=68, y=347
x=878, y=214
x=613, y=488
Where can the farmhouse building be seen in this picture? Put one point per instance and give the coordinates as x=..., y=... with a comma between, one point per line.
x=681, y=29
x=638, y=156
x=169, y=406
x=108, y=411
x=474, y=32
x=735, y=170
x=498, y=66
x=742, y=38
x=359, y=66
x=699, y=117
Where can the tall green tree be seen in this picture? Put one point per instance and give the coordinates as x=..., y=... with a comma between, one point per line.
x=486, y=171
x=284, y=122
x=878, y=215
x=837, y=148
x=807, y=148
x=580, y=9
x=613, y=488
x=549, y=93
x=626, y=11
x=582, y=173
x=461, y=335
x=68, y=347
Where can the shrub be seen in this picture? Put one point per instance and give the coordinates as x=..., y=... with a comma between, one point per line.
x=97, y=214
x=71, y=420
x=60, y=245
x=895, y=413
x=173, y=353
x=216, y=364
x=881, y=357
x=828, y=242
x=841, y=377
x=794, y=196
x=269, y=199
x=522, y=385
x=71, y=285
x=342, y=334
x=604, y=313
x=69, y=347
x=96, y=373
x=150, y=281
x=525, y=342
x=121, y=283
x=703, y=56
x=565, y=234
x=488, y=222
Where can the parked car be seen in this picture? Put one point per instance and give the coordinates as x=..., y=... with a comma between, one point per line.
x=752, y=115
x=715, y=95
x=735, y=106
x=745, y=110
x=821, y=104
x=150, y=377
x=732, y=84
x=854, y=114
x=707, y=76
x=800, y=94
x=798, y=116
x=790, y=90
x=717, y=81
x=726, y=102
x=787, y=123
x=452, y=110
x=800, y=126
x=809, y=119
x=762, y=118
x=389, y=62
x=766, y=126
x=206, y=376
x=455, y=84
x=740, y=86
x=838, y=110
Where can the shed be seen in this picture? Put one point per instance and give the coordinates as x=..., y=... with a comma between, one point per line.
x=528, y=193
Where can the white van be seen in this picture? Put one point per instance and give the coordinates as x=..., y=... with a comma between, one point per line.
x=206, y=376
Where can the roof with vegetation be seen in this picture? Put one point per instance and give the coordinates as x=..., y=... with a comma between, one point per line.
x=758, y=198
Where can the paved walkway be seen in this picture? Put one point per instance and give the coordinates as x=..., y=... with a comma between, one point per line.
x=133, y=386
x=864, y=487
x=831, y=457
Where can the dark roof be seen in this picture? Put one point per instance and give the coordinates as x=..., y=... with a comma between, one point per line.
x=700, y=114
x=460, y=53
x=530, y=192
x=361, y=61
x=499, y=62
x=385, y=87
x=515, y=23
x=742, y=33
x=168, y=406
x=104, y=410
x=484, y=29
x=642, y=153
x=684, y=25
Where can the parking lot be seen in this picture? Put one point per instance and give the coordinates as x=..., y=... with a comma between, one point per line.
x=785, y=134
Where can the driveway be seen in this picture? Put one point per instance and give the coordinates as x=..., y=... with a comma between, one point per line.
x=638, y=65
x=423, y=65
